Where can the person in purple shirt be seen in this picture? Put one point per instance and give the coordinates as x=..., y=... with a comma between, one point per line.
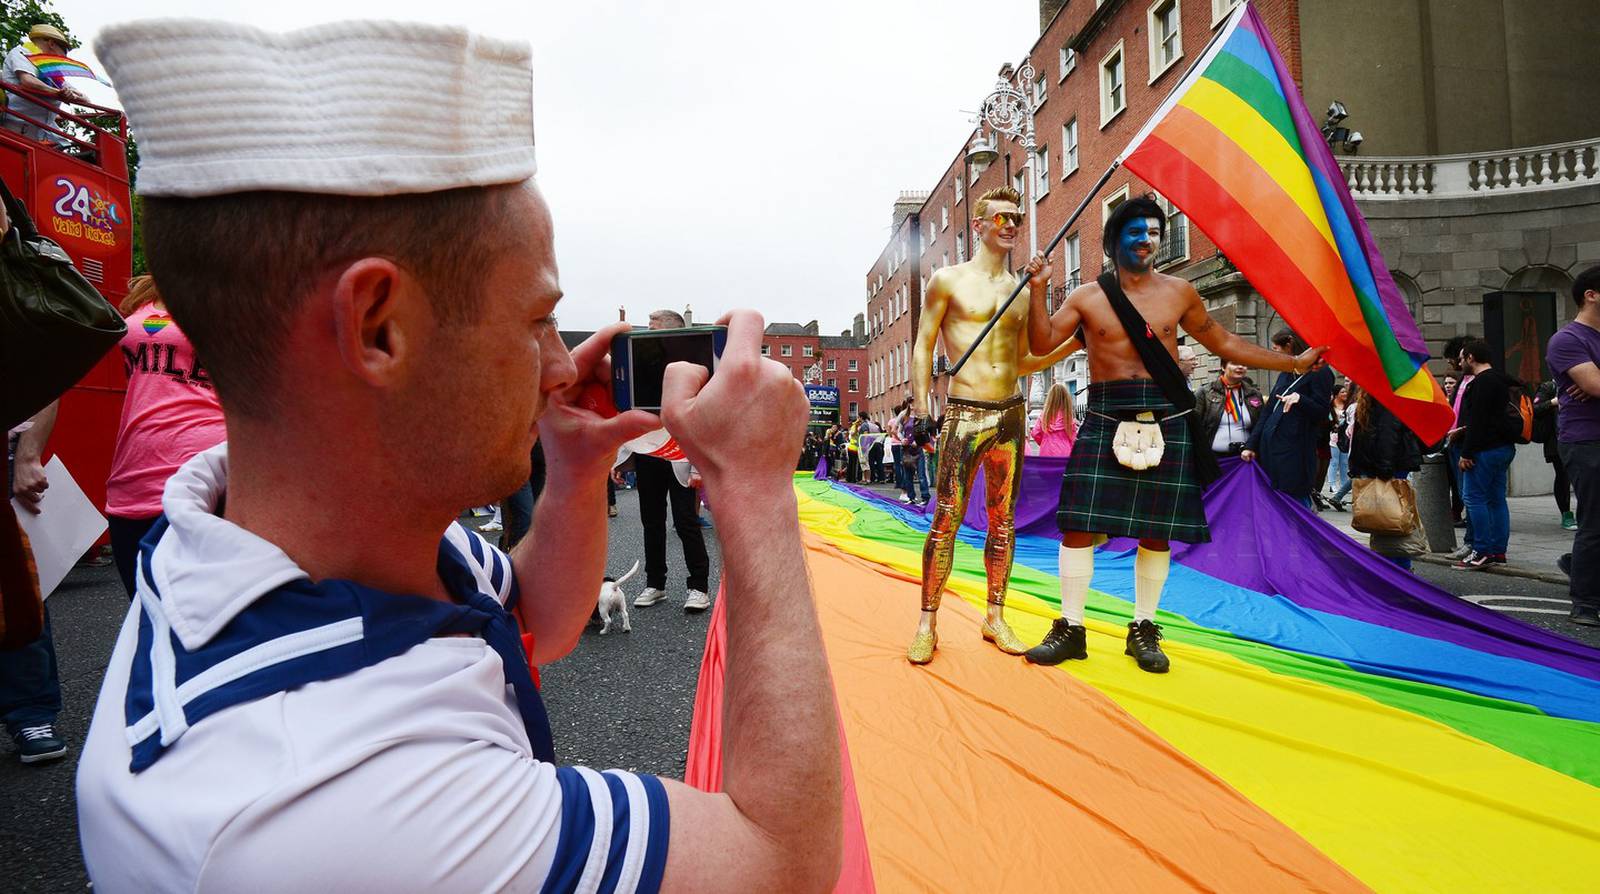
x=1574, y=357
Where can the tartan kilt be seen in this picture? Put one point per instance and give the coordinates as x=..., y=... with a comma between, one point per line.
x=1101, y=496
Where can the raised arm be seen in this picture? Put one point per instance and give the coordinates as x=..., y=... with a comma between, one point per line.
x=1230, y=347
x=1029, y=363
x=935, y=301
x=1046, y=331
x=560, y=563
x=777, y=823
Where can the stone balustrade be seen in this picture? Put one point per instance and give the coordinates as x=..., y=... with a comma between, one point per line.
x=1473, y=174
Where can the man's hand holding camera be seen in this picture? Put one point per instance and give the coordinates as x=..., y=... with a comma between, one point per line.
x=742, y=427
x=581, y=441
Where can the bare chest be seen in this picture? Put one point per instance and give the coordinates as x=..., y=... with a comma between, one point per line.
x=1160, y=311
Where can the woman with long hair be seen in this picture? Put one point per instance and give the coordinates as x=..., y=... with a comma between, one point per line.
x=1057, y=426
x=169, y=414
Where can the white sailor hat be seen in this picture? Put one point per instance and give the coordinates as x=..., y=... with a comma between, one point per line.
x=356, y=108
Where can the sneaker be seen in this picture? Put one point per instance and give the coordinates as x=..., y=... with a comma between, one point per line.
x=1586, y=615
x=1569, y=522
x=492, y=527
x=705, y=522
x=1065, y=640
x=1144, y=644
x=1475, y=561
x=904, y=498
x=1565, y=564
x=39, y=743
x=697, y=601
x=649, y=597
x=1497, y=558
x=1462, y=553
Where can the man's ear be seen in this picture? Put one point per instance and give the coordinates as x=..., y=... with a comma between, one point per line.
x=377, y=309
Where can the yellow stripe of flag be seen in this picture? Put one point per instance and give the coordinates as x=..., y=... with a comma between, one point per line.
x=1241, y=123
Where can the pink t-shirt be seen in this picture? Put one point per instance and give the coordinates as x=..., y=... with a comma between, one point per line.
x=170, y=413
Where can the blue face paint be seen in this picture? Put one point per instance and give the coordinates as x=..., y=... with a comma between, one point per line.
x=1138, y=243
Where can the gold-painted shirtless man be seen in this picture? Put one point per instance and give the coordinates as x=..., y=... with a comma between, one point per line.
x=986, y=417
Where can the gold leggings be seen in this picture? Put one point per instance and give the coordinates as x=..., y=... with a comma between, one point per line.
x=974, y=433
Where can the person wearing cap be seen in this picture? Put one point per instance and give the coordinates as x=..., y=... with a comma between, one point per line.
x=288, y=708
x=19, y=71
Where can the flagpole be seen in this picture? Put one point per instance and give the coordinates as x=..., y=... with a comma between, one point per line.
x=1204, y=56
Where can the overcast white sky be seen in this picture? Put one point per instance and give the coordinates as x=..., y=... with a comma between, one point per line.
x=715, y=153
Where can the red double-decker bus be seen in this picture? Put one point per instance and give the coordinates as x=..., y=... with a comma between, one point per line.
x=74, y=181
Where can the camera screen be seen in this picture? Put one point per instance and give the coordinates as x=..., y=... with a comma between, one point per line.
x=651, y=354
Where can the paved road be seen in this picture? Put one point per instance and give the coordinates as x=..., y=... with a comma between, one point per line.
x=622, y=700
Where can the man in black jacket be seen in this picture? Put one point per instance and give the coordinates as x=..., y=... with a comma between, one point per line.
x=1285, y=441
x=1228, y=408
x=1488, y=443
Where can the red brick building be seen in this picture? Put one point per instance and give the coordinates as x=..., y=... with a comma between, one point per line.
x=894, y=301
x=794, y=345
x=1101, y=69
x=836, y=360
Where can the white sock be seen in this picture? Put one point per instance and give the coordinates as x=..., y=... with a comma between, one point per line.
x=1149, y=576
x=1077, y=568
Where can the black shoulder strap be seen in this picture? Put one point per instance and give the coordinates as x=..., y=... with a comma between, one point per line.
x=1157, y=360
x=1162, y=367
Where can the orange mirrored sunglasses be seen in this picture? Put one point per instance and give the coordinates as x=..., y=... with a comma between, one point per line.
x=1004, y=217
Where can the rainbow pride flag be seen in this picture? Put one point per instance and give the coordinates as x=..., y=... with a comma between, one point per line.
x=1236, y=149
x=1330, y=723
x=55, y=68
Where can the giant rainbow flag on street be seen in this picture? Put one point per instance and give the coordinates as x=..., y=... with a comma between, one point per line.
x=1330, y=723
x=1234, y=147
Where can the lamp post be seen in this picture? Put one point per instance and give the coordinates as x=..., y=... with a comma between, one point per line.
x=1008, y=109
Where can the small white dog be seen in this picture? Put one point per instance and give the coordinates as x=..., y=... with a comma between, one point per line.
x=615, y=602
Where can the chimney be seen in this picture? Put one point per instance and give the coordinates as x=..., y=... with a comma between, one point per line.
x=909, y=203
x=688, y=315
x=811, y=328
x=859, y=330
x=622, y=314
x=1047, y=11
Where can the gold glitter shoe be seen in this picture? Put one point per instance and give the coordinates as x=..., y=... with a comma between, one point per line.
x=923, y=645
x=999, y=633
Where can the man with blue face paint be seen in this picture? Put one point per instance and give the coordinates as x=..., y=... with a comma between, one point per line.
x=1135, y=470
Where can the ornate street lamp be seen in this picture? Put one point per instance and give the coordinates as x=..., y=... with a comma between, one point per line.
x=1008, y=109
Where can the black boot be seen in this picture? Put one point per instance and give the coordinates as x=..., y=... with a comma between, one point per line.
x=1065, y=640
x=1144, y=644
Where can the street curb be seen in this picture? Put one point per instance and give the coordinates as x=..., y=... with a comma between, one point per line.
x=1549, y=577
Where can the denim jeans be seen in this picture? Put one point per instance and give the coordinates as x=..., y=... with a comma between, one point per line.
x=30, y=685
x=1339, y=474
x=920, y=473
x=1484, y=491
x=902, y=481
